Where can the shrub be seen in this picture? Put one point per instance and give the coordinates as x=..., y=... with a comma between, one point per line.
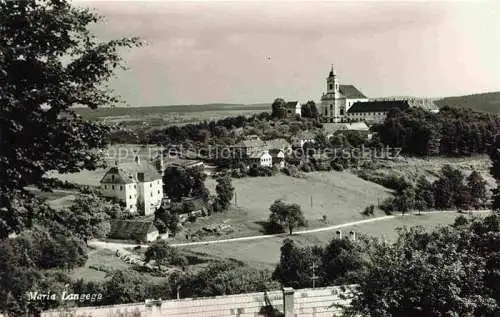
x=337, y=166
x=387, y=205
x=291, y=171
x=369, y=211
x=306, y=168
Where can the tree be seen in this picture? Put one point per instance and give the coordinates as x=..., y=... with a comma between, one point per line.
x=424, y=196
x=495, y=171
x=405, y=201
x=169, y=219
x=476, y=186
x=52, y=65
x=278, y=108
x=309, y=110
x=161, y=252
x=451, y=271
x=342, y=260
x=225, y=278
x=225, y=192
x=124, y=286
x=449, y=189
x=295, y=268
x=286, y=215
x=179, y=182
x=87, y=218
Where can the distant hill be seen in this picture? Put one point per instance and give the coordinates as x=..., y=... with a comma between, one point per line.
x=485, y=102
x=138, y=112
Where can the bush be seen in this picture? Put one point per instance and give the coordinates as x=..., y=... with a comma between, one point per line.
x=306, y=168
x=291, y=171
x=337, y=167
x=369, y=211
x=387, y=206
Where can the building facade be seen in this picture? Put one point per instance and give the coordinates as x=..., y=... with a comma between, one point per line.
x=338, y=99
x=138, y=185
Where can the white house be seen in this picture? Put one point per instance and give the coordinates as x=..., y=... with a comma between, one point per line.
x=139, y=185
x=293, y=108
x=261, y=158
x=278, y=157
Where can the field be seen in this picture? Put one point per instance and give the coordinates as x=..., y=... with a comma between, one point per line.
x=139, y=112
x=96, y=258
x=164, y=116
x=265, y=253
x=340, y=196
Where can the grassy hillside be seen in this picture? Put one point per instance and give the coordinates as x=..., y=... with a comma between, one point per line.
x=485, y=102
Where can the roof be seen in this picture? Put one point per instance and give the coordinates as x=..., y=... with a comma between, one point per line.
x=279, y=143
x=126, y=173
x=250, y=142
x=304, y=135
x=186, y=164
x=378, y=106
x=130, y=229
x=258, y=154
x=276, y=153
x=291, y=104
x=353, y=126
x=351, y=92
x=198, y=202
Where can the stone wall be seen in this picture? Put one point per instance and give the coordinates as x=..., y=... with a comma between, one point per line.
x=316, y=302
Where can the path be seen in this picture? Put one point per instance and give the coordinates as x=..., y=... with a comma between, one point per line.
x=121, y=246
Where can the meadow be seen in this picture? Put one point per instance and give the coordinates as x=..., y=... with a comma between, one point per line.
x=265, y=253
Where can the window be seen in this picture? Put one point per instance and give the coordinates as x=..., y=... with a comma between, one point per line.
x=113, y=187
x=105, y=187
x=131, y=207
x=121, y=187
x=130, y=197
x=150, y=185
x=151, y=194
x=112, y=177
x=135, y=186
x=331, y=86
x=158, y=192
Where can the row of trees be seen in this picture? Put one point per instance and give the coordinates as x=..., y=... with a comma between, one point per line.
x=451, y=190
x=450, y=132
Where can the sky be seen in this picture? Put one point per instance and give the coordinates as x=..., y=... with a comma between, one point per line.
x=247, y=52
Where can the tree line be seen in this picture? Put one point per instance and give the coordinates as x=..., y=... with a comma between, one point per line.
x=451, y=132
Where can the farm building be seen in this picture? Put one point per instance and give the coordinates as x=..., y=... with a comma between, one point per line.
x=261, y=158
x=278, y=144
x=251, y=144
x=329, y=129
x=278, y=158
x=293, y=108
x=136, y=230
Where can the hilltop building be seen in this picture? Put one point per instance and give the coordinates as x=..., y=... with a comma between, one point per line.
x=345, y=103
x=293, y=108
x=338, y=98
x=138, y=184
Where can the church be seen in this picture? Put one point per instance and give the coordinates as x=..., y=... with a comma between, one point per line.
x=345, y=103
x=338, y=99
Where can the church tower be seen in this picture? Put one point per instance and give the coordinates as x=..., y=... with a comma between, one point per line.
x=330, y=103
